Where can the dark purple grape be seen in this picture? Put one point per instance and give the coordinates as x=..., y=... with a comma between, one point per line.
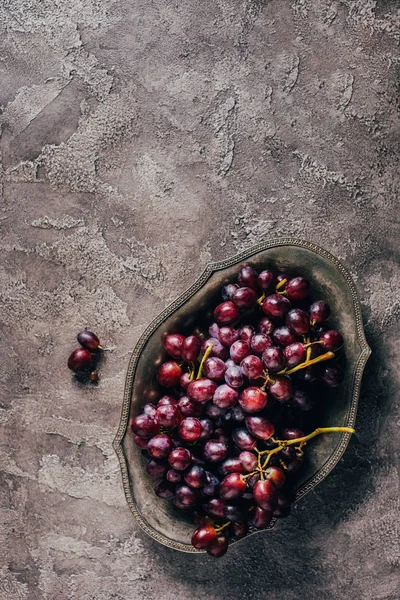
x=281, y=388
x=240, y=529
x=244, y=297
x=168, y=416
x=159, y=446
x=215, y=451
x=246, y=333
x=191, y=348
x=188, y=408
x=237, y=414
x=332, y=376
x=260, y=427
x=207, y=429
x=165, y=489
x=218, y=547
x=212, y=410
x=156, y=468
x=248, y=277
x=291, y=433
x=233, y=513
x=167, y=400
x=331, y=340
x=203, y=536
x=239, y=350
x=144, y=426
x=228, y=290
x=251, y=482
x=297, y=289
x=319, y=312
x=227, y=335
x=273, y=359
x=211, y=485
x=252, y=399
x=226, y=313
x=261, y=342
x=190, y=429
x=89, y=340
x=221, y=435
x=276, y=306
x=292, y=459
x=141, y=442
x=213, y=330
x=265, y=495
x=215, y=507
x=225, y=396
x=202, y=389
x=261, y=518
x=310, y=374
x=173, y=476
x=79, y=360
x=243, y=439
x=302, y=400
x=195, y=476
x=184, y=381
x=265, y=326
x=276, y=476
x=232, y=486
x=173, y=344
x=266, y=280
x=234, y=377
x=298, y=321
x=231, y=465
x=283, y=336
x=185, y=496
x=169, y=374
x=214, y=368
x=218, y=349
x=251, y=366
x=295, y=354
x=248, y=460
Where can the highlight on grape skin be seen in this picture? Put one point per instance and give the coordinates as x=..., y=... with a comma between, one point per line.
x=237, y=405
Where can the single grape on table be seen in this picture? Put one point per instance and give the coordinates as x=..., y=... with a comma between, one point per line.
x=237, y=405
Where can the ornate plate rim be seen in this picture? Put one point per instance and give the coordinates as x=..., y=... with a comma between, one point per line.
x=177, y=303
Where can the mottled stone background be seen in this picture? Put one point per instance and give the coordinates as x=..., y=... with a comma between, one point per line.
x=140, y=140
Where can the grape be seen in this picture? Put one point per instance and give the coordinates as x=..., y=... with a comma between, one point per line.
x=213, y=330
x=173, y=476
x=297, y=289
x=251, y=482
x=221, y=435
x=246, y=333
x=265, y=495
x=234, y=377
x=261, y=518
x=141, y=442
x=89, y=340
x=225, y=396
x=252, y=399
x=215, y=507
x=185, y=496
x=165, y=490
x=203, y=536
x=248, y=277
x=211, y=485
x=276, y=306
x=149, y=409
x=248, y=460
x=184, y=381
x=232, y=486
x=310, y=374
x=291, y=433
x=274, y=359
x=191, y=348
x=218, y=349
x=156, y=468
x=298, y=321
x=301, y=400
x=237, y=414
x=276, y=476
x=319, y=312
x=295, y=354
x=331, y=340
x=214, y=368
x=282, y=277
x=159, y=446
x=283, y=336
x=207, y=429
x=190, y=429
x=244, y=297
x=240, y=529
x=332, y=376
x=243, y=439
x=281, y=388
x=227, y=335
x=265, y=280
x=188, y=408
x=226, y=313
x=195, y=476
x=173, y=344
x=233, y=513
x=239, y=350
x=169, y=374
x=291, y=459
x=144, y=426
x=251, y=366
x=231, y=465
x=168, y=416
x=201, y=389
x=228, y=290
x=167, y=400
x=215, y=451
x=265, y=326
x=212, y=411
x=218, y=547
x=80, y=359
x=261, y=342
x=260, y=427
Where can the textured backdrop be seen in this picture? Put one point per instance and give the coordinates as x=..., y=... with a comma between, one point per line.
x=140, y=140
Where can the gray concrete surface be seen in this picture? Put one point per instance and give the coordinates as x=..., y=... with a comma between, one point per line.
x=140, y=140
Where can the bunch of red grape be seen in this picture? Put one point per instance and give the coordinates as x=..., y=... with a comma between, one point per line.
x=228, y=434
x=83, y=360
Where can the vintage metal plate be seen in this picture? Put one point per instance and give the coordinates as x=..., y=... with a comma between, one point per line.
x=190, y=312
